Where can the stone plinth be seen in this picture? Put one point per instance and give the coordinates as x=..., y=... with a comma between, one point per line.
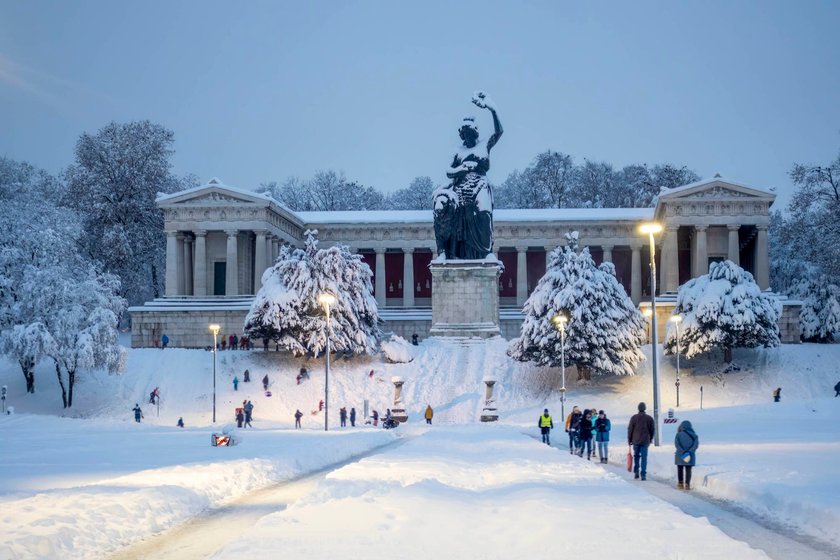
x=398, y=411
x=465, y=298
x=489, y=413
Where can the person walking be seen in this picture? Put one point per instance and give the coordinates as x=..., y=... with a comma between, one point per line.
x=777, y=394
x=640, y=432
x=586, y=435
x=352, y=417
x=429, y=412
x=246, y=377
x=235, y=344
x=265, y=382
x=572, y=428
x=837, y=390
x=298, y=416
x=375, y=418
x=602, y=436
x=249, y=413
x=138, y=414
x=240, y=417
x=164, y=342
x=342, y=415
x=235, y=383
x=686, y=443
x=180, y=421
x=544, y=423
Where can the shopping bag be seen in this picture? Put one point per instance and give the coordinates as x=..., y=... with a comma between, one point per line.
x=629, y=461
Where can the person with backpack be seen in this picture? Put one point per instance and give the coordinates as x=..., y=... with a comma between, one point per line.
x=544, y=423
x=685, y=443
x=298, y=416
x=585, y=435
x=602, y=436
x=573, y=427
x=138, y=414
x=353, y=417
x=640, y=432
x=249, y=411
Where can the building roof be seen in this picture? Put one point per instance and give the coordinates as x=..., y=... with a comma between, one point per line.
x=499, y=215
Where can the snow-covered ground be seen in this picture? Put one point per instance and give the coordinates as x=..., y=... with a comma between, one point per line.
x=80, y=485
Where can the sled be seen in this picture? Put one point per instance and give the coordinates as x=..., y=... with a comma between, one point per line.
x=268, y=393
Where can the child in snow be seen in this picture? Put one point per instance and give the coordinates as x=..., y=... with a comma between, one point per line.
x=138, y=414
x=544, y=423
x=180, y=421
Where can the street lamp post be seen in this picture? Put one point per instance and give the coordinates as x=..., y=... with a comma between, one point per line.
x=215, y=328
x=676, y=320
x=327, y=299
x=650, y=229
x=560, y=321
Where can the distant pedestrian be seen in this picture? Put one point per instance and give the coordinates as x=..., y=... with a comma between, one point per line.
x=414, y=339
x=265, y=345
x=352, y=417
x=246, y=377
x=298, y=416
x=249, y=414
x=544, y=423
x=224, y=343
x=240, y=417
x=370, y=375
x=586, y=435
x=686, y=443
x=235, y=383
x=138, y=414
x=573, y=428
x=429, y=412
x=640, y=432
x=342, y=415
x=154, y=395
x=602, y=436
x=320, y=405
x=777, y=394
x=375, y=419
x=837, y=390
x=180, y=421
x=164, y=342
x=244, y=343
x=265, y=382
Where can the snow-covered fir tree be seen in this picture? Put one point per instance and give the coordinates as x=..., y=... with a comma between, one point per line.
x=604, y=330
x=286, y=309
x=820, y=314
x=724, y=309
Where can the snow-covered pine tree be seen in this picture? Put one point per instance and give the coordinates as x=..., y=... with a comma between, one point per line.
x=724, y=309
x=287, y=311
x=605, y=330
x=820, y=314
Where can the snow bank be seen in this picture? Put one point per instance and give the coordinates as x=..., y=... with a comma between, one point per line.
x=397, y=350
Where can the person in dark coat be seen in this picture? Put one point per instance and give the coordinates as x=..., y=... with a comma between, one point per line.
x=777, y=394
x=246, y=377
x=249, y=411
x=298, y=416
x=353, y=417
x=164, y=342
x=640, y=432
x=602, y=436
x=375, y=418
x=545, y=424
x=181, y=422
x=138, y=414
x=837, y=390
x=265, y=382
x=342, y=414
x=240, y=417
x=685, y=443
x=586, y=434
x=573, y=427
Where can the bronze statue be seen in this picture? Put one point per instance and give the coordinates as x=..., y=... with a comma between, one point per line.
x=463, y=210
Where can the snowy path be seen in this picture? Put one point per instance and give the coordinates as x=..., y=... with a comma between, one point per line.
x=203, y=535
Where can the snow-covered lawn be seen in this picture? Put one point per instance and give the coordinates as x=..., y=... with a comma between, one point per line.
x=481, y=492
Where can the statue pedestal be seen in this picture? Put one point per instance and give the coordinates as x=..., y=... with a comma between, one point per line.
x=465, y=298
x=398, y=411
x=489, y=413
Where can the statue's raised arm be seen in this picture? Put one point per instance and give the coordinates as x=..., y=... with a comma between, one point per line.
x=482, y=100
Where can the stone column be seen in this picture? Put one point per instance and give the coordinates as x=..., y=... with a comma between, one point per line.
x=734, y=252
x=607, y=252
x=701, y=255
x=232, y=264
x=182, y=288
x=260, y=259
x=408, y=277
x=636, y=273
x=671, y=262
x=188, y=266
x=762, y=258
x=171, y=263
x=548, y=250
x=379, y=278
x=521, y=275
x=200, y=264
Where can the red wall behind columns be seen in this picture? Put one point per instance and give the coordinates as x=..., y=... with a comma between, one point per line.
x=394, y=274
x=422, y=274
x=508, y=278
x=536, y=268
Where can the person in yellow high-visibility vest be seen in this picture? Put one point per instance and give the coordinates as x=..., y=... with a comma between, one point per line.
x=545, y=424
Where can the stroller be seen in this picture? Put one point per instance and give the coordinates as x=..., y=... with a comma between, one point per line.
x=389, y=423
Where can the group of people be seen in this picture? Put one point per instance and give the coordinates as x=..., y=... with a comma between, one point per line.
x=244, y=415
x=585, y=426
x=234, y=342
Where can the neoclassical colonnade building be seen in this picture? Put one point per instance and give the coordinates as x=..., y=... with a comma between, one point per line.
x=220, y=239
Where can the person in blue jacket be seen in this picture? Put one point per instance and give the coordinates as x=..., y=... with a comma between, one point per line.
x=138, y=414
x=602, y=436
x=686, y=443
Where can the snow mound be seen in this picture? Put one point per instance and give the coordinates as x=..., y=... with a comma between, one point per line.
x=397, y=350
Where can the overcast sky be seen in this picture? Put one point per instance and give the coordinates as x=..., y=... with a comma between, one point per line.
x=259, y=91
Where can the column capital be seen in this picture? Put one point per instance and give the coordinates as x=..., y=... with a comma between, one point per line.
x=671, y=228
x=172, y=234
x=607, y=247
x=550, y=248
x=180, y=236
x=379, y=250
x=521, y=248
x=636, y=246
x=408, y=250
x=188, y=239
x=761, y=227
x=232, y=232
x=701, y=227
x=263, y=232
x=733, y=227
x=200, y=232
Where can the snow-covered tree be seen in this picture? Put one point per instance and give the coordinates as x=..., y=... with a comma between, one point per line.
x=820, y=314
x=118, y=173
x=416, y=196
x=604, y=330
x=287, y=311
x=724, y=309
x=326, y=191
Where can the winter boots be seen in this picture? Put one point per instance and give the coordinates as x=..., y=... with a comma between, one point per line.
x=680, y=486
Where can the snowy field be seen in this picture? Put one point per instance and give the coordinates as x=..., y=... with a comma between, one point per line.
x=93, y=481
